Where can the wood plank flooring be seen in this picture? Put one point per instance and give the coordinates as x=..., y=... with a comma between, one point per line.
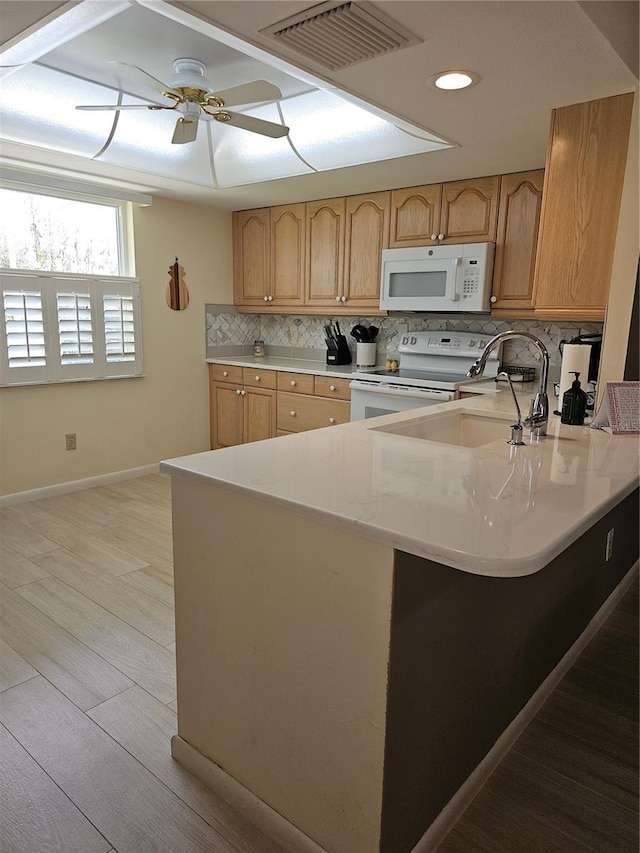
x=87, y=706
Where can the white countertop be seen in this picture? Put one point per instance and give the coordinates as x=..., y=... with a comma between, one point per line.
x=493, y=510
x=290, y=365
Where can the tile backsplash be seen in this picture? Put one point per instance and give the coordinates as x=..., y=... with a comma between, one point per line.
x=303, y=336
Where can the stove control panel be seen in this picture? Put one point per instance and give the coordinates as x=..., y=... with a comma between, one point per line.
x=443, y=343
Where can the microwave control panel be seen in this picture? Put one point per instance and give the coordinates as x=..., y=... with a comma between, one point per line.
x=471, y=278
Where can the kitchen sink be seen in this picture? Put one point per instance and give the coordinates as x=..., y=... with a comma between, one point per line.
x=464, y=429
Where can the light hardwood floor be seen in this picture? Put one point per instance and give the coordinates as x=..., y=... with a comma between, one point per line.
x=87, y=706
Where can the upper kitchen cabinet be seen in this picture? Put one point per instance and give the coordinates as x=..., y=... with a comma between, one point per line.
x=325, y=252
x=288, y=226
x=581, y=201
x=366, y=235
x=252, y=257
x=457, y=212
x=518, y=221
x=268, y=256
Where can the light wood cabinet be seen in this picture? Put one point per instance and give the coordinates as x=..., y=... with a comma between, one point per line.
x=584, y=175
x=325, y=252
x=457, y=212
x=251, y=257
x=288, y=225
x=254, y=403
x=268, y=256
x=366, y=235
x=518, y=222
x=298, y=412
x=240, y=412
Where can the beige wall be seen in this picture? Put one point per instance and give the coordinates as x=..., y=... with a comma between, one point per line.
x=122, y=424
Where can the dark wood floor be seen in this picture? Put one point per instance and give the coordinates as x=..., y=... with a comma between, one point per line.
x=87, y=706
x=570, y=782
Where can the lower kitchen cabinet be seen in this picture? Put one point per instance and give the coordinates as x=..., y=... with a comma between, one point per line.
x=251, y=404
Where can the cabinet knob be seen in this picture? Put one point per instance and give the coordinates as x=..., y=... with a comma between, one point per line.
x=440, y=236
x=265, y=298
x=332, y=420
x=293, y=383
x=338, y=299
x=238, y=392
x=343, y=299
x=225, y=372
x=257, y=378
x=292, y=413
x=271, y=299
x=493, y=299
x=434, y=236
x=243, y=393
x=332, y=387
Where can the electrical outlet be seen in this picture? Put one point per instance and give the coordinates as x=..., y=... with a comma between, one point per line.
x=609, y=549
x=70, y=438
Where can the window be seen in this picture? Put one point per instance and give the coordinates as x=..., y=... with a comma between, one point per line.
x=70, y=312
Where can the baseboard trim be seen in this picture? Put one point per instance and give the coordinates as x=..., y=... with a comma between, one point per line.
x=470, y=788
x=77, y=485
x=273, y=824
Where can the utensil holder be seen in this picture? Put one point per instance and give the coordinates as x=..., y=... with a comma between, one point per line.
x=341, y=354
x=365, y=355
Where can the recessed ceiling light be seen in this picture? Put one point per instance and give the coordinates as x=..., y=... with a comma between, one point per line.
x=454, y=79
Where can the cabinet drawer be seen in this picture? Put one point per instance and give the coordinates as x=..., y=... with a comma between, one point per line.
x=328, y=386
x=297, y=412
x=225, y=373
x=295, y=383
x=258, y=377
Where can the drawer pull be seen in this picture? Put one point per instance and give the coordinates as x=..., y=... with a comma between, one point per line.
x=243, y=393
x=265, y=298
x=292, y=413
x=293, y=383
x=238, y=392
x=332, y=387
x=225, y=372
x=332, y=420
x=257, y=378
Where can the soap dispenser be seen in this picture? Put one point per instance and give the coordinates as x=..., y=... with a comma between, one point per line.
x=574, y=404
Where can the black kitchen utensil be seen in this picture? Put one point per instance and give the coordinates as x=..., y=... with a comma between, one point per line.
x=373, y=333
x=360, y=333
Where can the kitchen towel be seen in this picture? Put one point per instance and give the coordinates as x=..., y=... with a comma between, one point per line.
x=575, y=358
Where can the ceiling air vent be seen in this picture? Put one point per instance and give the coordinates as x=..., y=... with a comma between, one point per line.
x=336, y=35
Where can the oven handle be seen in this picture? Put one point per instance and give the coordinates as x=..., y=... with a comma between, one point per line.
x=398, y=391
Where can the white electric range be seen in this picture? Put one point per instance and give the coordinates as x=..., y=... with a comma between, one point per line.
x=433, y=366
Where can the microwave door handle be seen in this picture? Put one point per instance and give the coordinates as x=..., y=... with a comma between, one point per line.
x=452, y=289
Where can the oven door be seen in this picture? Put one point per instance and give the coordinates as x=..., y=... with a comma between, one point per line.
x=371, y=399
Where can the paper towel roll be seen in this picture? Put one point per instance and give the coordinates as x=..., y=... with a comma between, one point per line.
x=575, y=358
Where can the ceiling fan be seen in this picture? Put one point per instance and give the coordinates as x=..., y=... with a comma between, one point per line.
x=193, y=97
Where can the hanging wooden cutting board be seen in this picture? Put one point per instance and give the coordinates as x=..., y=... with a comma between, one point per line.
x=177, y=293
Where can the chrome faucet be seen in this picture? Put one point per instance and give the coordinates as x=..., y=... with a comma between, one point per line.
x=539, y=409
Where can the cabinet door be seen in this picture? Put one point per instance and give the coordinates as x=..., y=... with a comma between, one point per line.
x=259, y=414
x=518, y=220
x=325, y=252
x=251, y=256
x=585, y=170
x=226, y=413
x=470, y=210
x=366, y=235
x=415, y=216
x=287, y=254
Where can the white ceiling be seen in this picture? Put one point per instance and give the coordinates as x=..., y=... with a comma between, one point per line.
x=531, y=57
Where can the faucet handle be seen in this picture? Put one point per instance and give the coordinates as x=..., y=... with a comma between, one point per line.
x=516, y=435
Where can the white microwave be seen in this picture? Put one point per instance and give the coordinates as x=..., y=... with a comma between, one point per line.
x=437, y=278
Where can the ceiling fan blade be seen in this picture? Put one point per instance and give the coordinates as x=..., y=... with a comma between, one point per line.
x=146, y=77
x=249, y=93
x=185, y=131
x=255, y=125
x=124, y=107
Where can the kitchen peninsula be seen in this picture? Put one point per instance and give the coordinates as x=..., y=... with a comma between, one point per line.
x=360, y=614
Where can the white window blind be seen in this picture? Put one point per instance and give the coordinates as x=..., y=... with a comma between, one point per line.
x=69, y=328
